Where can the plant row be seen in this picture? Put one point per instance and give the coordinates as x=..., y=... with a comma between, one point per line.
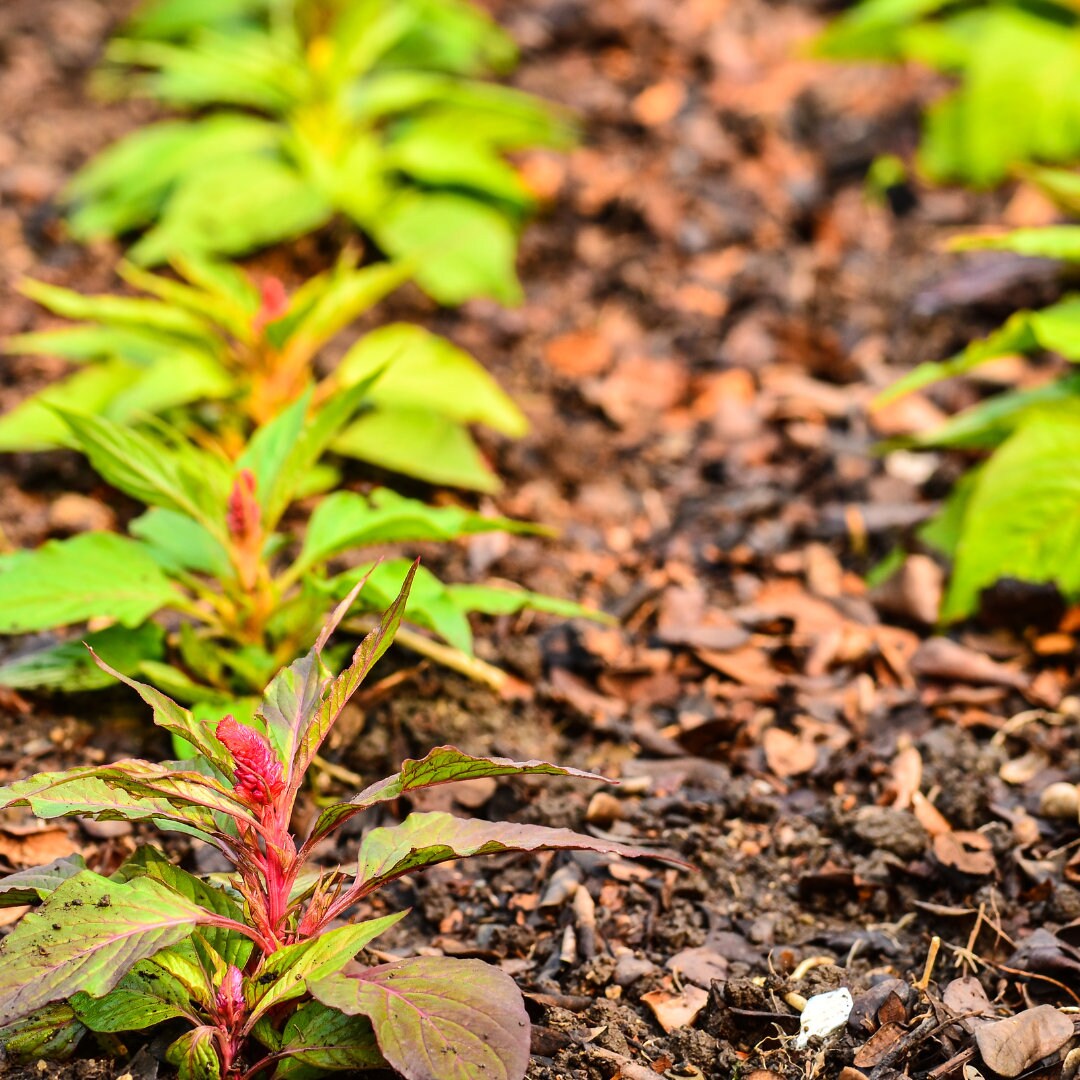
x=229, y=408
x=1013, y=113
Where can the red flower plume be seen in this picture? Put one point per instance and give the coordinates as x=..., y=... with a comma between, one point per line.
x=274, y=303
x=257, y=771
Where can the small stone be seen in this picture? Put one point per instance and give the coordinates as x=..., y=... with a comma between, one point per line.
x=1060, y=801
x=895, y=831
x=603, y=809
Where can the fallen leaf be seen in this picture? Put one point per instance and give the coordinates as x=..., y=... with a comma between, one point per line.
x=906, y=777
x=788, y=754
x=913, y=592
x=32, y=846
x=659, y=103
x=581, y=353
x=968, y=852
x=1014, y=1044
x=676, y=1010
x=966, y=996
x=700, y=966
x=941, y=658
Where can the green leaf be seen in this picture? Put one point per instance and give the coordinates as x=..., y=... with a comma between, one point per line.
x=461, y=247
x=93, y=575
x=300, y=707
x=438, y=153
x=437, y=1018
x=174, y=477
x=429, y=603
x=347, y=294
x=420, y=444
x=231, y=207
x=1022, y=519
x=1018, y=100
x=176, y=542
x=126, y=186
x=426, y=373
x=989, y=423
x=1016, y=335
x=230, y=946
x=320, y=1038
x=443, y=765
x=285, y=974
x=35, y=425
x=283, y=453
x=425, y=839
x=145, y=996
x=1049, y=242
x=347, y=520
x=51, y=1033
x=509, y=600
x=195, y=1055
x=105, y=929
x=69, y=665
x=39, y=882
x=123, y=311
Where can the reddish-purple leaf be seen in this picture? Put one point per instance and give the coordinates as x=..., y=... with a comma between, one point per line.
x=443, y=765
x=425, y=839
x=437, y=1018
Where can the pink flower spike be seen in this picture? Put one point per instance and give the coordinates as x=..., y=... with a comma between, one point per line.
x=229, y=998
x=257, y=771
x=243, y=514
x=275, y=302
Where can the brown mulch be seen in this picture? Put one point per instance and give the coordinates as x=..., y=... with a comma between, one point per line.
x=712, y=303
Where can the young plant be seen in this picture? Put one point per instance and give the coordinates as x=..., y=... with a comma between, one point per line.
x=219, y=355
x=312, y=108
x=1018, y=65
x=258, y=967
x=1016, y=514
x=237, y=596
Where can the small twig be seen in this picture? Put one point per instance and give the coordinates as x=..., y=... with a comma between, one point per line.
x=931, y=959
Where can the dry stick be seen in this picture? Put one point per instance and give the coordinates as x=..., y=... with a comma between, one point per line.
x=1034, y=975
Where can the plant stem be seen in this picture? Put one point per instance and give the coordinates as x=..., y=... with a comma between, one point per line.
x=446, y=655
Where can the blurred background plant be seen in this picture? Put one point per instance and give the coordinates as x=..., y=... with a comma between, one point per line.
x=219, y=355
x=376, y=110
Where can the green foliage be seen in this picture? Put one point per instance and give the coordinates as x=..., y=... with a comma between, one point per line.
x=1018, y=65
x=240, y=595
x=1015, y=516
x=218, y=355
x=250, y=965
x=374, y=110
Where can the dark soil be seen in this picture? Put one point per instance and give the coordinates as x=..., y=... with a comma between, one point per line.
x=712, y=303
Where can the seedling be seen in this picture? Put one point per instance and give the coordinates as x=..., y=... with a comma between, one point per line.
x=241, y=596
x=1015, y=513
x=313, y=108
x=1018, y=67
x=258, y=966
x=220, y=354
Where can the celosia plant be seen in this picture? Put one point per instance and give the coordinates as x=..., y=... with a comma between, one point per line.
x=259, y=964
x=210, y=594
x=219, y=353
